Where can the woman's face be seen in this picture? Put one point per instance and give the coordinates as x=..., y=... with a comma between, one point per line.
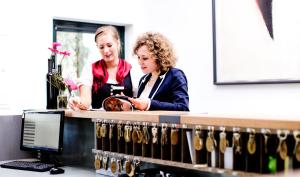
x=108, y=47
x=146, y=60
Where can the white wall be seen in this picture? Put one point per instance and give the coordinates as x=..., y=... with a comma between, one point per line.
x=186, y=23
x=26, y=34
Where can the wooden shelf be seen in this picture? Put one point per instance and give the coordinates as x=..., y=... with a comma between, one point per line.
x=196, y=167
x=138, y=116
x=242, y=121
x=288, y=123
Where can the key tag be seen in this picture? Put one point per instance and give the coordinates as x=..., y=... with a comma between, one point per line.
x=266, y=134
x=113, y=165
x=119, y=130
x=140, y=134
x=134, y=134
x=105, y=160
x=128, y=167
x=282, y=146
x=154, y=132
x=251, y=144
x=210, y=140
x=103, y=130
x=134, y=165
x=223, y=141
x=297, y=145
x=146, y=135
x=164, y=134
x=120, y=167
x=111, y=128
x=127, y=132
x=174, y=134
x=236, y=141
x=97, y=163
x=137, y=136
x=98, y=132
x=198, y=141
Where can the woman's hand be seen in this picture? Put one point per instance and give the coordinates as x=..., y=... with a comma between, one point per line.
x=140, y=103
x=76, y=104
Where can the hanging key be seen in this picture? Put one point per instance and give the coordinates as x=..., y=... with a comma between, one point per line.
x=103, y=130
x=98, y=132
x=120, y=131
x=105, y=159
x=251, y=144
x=128, y=166
x=164, y=135
x=223, y=141
x=237, y=145
x=134, y=135
x=174, y=135
x=198, y=141
x=97, y=163
x=210, y=140
x=113, y=165
x=266, y=134
x=111, y=130
x=146, y=135
x=297, y=145
x=154, y=132
x=127, y=133
x=282, y=146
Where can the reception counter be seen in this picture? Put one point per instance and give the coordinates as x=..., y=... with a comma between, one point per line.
x=188, y=123
x=80, y=140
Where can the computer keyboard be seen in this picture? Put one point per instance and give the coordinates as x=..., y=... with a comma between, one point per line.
x=28, y=165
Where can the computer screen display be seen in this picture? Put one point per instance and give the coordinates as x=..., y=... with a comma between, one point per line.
x=42, y=131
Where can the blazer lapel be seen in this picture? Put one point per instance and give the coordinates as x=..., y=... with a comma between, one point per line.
x=143, y=83
x=157, y=85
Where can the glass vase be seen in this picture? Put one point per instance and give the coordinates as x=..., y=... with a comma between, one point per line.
x=62, y=100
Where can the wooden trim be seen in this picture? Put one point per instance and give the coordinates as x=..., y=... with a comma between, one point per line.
x=139, y=116
x=240, y=121
x=289, y=123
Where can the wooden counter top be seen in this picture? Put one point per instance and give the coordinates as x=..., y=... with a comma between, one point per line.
x=271, y=122
x=253, y=121
x=140, y=116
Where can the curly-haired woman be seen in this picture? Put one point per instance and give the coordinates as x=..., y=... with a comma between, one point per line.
x=163, y=87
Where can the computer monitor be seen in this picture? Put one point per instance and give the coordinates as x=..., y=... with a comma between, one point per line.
x=42, y=131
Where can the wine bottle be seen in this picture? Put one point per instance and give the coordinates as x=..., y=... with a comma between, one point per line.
x=52, y=91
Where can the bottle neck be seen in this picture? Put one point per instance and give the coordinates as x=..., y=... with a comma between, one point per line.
x=53, y=59
x=49, y=65
x=59, y=70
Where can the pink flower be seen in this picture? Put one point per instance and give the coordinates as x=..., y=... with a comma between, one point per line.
x=55, y=45
x=65, y=53
x=54, y=48
x=54, y=51
x=71, y=84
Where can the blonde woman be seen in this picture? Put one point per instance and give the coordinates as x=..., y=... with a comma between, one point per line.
x=111, y=71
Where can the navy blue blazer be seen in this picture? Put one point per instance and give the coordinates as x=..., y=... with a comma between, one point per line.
x=170, y=91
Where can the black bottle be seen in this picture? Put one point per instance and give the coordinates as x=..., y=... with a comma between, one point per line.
x=52, y=91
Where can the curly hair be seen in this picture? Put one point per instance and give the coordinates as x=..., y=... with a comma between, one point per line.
x=160, y=47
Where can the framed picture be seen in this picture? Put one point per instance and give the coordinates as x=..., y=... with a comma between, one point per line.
x=256, y=41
